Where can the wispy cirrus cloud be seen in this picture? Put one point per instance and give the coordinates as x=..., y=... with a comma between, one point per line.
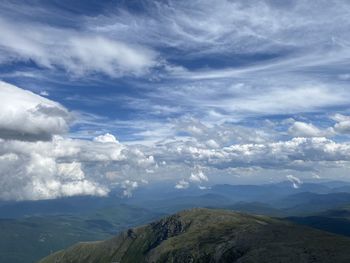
x=236, y=27
x=74, y=51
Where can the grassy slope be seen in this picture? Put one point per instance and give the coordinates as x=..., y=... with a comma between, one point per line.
x=205, y=235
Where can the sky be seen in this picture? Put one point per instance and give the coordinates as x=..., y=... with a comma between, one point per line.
x=97, y=95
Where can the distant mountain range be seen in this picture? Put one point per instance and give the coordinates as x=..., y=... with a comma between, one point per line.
x=206, y=235
x=33, y=229
x=166, y=199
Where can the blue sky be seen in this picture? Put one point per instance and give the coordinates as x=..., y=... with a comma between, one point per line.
x=187, y=91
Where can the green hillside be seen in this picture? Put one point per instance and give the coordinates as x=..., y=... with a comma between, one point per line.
x=206, y=235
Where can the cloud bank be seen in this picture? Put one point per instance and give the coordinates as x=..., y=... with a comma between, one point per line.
x=38, y=160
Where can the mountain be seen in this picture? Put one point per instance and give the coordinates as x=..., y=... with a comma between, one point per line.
x=166, y=199
x=33, y=229
x=207, y=235
x=175, y=204
x=310, y=203
x=27, y=239
x=256, y=208
x=60, y=206
x=335, y=220
x=266, y=192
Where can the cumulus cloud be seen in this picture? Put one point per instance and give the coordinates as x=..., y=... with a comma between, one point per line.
x=182, y=184
x=297, y=154
x=218, y=135
x=27, y=116
x=198, y=176
x=35, y=166
x=106, y=138
x=37, y=163
x=34, y=172
x=66, y=167
x=70, y=170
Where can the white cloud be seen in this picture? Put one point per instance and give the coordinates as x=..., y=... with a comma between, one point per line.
x=316, y=176
x=78, y=53
x=302, y=129
x=39, y=169
x=128, y=187
x=70, y=170
x=198, y=176
x=27, y=116
x=296, y=182
x=217, y=135
x=199, y=28
x=44, y=93
x=282, y=83
x=106, y=138
x=35, y=173
x=66, y=167
x=182, y=184
x=236, y=98
x=343, y=123
x=36, y=163
x=212, y=143
x=296, y=154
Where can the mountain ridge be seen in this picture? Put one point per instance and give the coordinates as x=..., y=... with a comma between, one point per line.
x=211, y=235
